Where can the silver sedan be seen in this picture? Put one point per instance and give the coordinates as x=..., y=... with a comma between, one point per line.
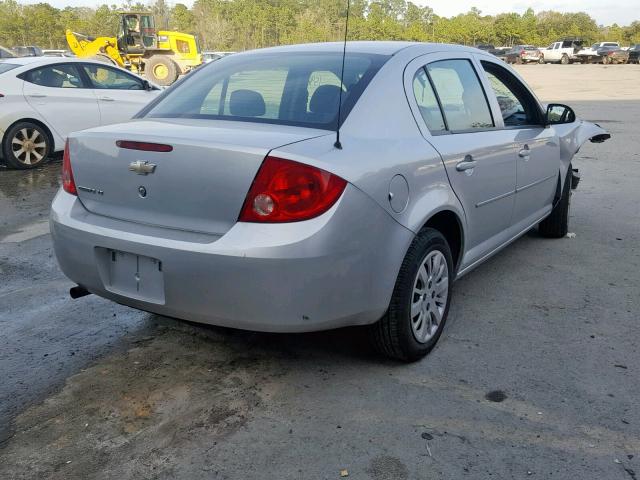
x=231, y=199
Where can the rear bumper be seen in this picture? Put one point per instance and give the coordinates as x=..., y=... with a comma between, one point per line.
x=336, y=270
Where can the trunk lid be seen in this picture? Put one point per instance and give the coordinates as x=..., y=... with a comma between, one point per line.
x=199, y=186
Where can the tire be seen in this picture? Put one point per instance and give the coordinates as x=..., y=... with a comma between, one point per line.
x=398, y=335
x=161, y=69
x=541, y=60
x=564, y=60
x=605, y=60
x=556, y=225
x=38, y=142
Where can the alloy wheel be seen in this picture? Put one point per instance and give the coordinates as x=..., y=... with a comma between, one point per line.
x=429, y=298
x=29, y=146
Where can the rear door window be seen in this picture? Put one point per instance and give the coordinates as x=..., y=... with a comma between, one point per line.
x=427, y=102
x=461, y=95
x=55, y=76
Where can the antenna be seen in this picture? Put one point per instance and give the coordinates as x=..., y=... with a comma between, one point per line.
x=338, y=145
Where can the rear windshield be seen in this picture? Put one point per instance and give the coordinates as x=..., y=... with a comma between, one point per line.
x=5, y=67
x=288, y=89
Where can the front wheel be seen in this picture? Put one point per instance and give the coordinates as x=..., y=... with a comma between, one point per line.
x=605, y=60
x=541, y=60
x=26, y=145
x=420, y=302
x=564, y=60
x=556, y=225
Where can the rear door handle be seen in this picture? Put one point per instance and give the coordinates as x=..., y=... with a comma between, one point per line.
x=467, y=164
x=525, y=152
x=37, y=95
x=107, y=99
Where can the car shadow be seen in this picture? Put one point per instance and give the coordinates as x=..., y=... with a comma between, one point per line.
x=350, y=343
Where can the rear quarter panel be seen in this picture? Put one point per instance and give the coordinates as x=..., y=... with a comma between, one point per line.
x=380, y=140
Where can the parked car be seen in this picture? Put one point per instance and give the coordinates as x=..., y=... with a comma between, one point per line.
x=492, y=49
x=563, y=52
x=27, y=51
x=43, y=99
x=58, y=53
x=524, y=54
x=596, y=53
x=231, y=200
x=501, y=53
x=6, y=53
x=634, y=53
x=208, y=56
x=613, y=55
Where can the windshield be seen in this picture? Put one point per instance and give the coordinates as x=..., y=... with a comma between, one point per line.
x=299, y=89
x=5, y=67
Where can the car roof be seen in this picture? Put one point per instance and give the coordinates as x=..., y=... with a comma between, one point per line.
x=370, y=47
x=43, y=60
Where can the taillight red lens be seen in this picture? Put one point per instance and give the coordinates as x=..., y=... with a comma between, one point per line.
x=288, y=191
x=68, y=183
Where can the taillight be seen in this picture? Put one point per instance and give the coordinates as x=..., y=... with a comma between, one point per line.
x=68, y=183
x=288, y=191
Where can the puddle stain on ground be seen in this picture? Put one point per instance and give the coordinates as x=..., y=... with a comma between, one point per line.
x=138, y=413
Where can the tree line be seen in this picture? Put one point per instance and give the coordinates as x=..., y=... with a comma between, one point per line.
x=247, y=24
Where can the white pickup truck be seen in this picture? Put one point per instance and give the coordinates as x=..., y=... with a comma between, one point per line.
x=563, y=52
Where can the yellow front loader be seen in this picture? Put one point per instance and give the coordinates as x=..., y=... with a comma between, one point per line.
x=161, y=56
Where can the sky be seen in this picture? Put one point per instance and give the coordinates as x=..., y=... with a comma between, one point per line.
x=622, y=12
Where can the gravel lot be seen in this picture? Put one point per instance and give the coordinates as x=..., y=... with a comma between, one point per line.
x=536, y=375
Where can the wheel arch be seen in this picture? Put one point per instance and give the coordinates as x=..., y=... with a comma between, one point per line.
x=450, y=225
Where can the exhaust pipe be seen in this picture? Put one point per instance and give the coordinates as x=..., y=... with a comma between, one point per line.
x=78, y=291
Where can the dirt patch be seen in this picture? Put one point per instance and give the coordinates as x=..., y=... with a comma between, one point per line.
x=385, y=467
x=136, y=415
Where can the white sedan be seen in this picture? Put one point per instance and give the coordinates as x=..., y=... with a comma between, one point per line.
x=43, y=99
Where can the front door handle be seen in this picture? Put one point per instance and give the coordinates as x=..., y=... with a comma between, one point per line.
x=37, y=95
x=467, y=164
x=525, y=152
x=106, y=99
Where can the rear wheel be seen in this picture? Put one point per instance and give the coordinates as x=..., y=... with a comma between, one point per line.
x=556, y=225
x=541, y=60
x=420, y=301
x=605, y=60
x=26, y=145
x=161, y=70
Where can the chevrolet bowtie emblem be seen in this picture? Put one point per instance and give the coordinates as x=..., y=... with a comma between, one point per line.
x=142, y=168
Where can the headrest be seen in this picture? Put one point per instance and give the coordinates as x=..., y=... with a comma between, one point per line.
x=325, y=100
x=246, y=103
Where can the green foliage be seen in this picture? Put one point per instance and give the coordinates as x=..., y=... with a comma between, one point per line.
x=245, y=24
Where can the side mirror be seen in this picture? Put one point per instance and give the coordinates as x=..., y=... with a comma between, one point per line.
x=146, y=85
x=558, y=113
